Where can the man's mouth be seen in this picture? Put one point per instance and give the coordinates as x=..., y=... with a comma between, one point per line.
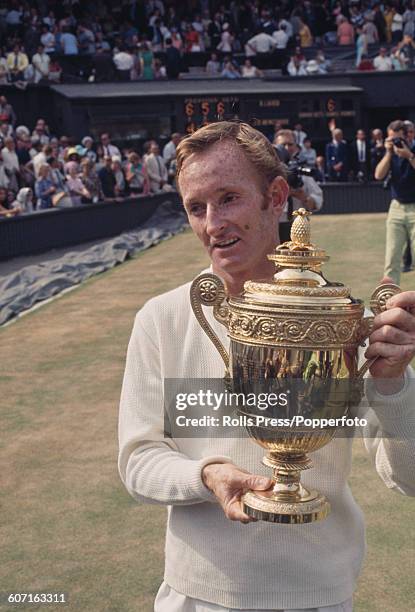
x=223, y=244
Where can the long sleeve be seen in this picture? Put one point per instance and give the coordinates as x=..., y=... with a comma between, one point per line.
x=151, y=467
x=390, y=434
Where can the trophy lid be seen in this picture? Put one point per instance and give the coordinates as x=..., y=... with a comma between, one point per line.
x=298, y=280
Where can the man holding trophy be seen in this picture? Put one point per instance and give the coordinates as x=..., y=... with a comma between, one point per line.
x=218, y=556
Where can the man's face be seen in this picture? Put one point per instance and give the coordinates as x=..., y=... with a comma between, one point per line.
x=338, y=135
x=154, y=149
x=228, y=211
x=289, y=143
x=360, y=135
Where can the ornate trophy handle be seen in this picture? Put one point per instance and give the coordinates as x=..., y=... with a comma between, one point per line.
x=208, y=289
x=378, y=300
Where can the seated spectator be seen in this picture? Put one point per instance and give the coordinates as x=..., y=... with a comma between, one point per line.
x=398, y=60
x=136, y=175
x=76, y=188
x=308, y=155
x=41, y=63
x=297, y=64
x=157, y=171
x=24, y=201
x=121, y=185
x=382, y=62
x=88, y=143
x=345, y=32
x=91, y=181
x=407, y=51
x=249, y=71
x=159, y=70
x=55, y=71
x=108, y=149
x=11, y=162
x=6, y=209
x=4, y=71
x=61, y=197
x=322, y=62
x=17, y=63
x=213, y=65
x=41, y=132
x=7, y=113
x=41, y=156
x=230, y=71
x=107, y=178
x=44, y=188
x=6, y=130
x=124, y=63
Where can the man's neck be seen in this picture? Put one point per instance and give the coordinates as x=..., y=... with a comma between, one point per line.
x=234, y=284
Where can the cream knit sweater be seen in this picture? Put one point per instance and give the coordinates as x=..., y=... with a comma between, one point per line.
x=259, y=565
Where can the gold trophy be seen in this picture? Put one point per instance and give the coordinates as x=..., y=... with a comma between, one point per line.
x=296, y=333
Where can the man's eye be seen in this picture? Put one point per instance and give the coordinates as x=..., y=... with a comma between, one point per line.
x=196, y=210
x=229, y=198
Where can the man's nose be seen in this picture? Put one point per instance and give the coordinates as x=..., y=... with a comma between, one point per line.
x=215, y=221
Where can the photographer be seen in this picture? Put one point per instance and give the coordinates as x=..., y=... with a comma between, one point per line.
x=304, y=191
x=399, y=160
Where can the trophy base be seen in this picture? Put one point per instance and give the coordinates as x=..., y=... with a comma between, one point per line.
x=266, y=506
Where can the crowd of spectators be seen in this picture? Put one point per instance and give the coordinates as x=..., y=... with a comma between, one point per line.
x=41, y=171
x=147, y=39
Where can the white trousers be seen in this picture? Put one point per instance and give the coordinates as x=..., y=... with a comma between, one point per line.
x=169, y=600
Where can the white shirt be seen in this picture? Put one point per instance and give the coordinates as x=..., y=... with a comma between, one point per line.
x=10, y=159
x=169, y=151
x=382, y=63
x=361, y=150
x=261, y=43
x=312, y=189
x=41, y=64
x=123, y=60
x=207, y=556
x=280, y=38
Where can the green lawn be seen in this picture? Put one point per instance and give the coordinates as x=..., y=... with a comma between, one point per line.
x=67, y=522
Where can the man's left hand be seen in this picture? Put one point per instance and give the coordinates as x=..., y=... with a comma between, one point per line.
x=392, y=340
x=404, y=151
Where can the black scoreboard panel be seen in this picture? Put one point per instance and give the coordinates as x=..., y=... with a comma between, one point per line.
x=317, y=112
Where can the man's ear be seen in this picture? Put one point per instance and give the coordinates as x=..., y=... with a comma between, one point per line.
x=278, y=193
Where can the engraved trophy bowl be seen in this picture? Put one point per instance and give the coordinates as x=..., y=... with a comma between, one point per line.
x=296, y=335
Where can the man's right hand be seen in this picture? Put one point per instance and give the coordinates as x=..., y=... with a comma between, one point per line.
x=389, y=145
x=229, y=483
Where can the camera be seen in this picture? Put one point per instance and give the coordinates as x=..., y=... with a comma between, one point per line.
x=295, y=173
x=398, y=143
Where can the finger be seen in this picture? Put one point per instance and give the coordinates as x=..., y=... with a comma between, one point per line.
x=391, y=334
x=258, y=483
x=397, y=317
x=395, y=352
x=387, y=280
x=234, y=512
x=406, y=299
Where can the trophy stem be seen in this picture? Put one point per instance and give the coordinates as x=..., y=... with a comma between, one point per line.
x=287, y=501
